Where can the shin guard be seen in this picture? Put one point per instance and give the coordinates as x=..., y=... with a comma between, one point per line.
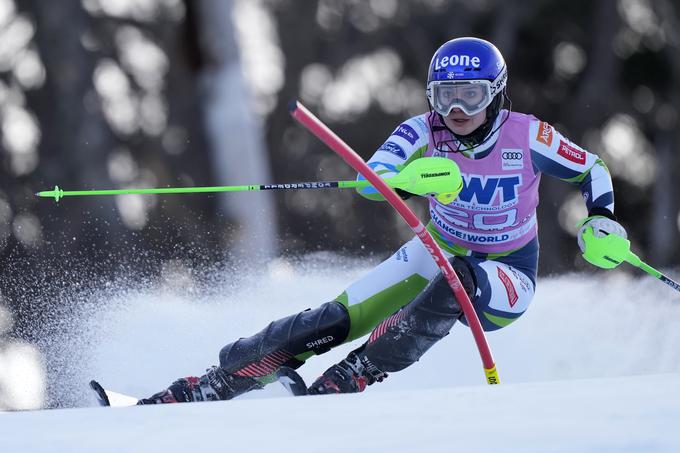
x=315, y=330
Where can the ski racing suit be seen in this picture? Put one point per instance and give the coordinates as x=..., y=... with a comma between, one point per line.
x=491, y=228
x=489, y=233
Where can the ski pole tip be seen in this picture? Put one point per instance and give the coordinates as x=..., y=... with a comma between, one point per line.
x=57, y=193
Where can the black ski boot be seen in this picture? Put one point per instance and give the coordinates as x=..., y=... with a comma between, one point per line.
x=215, y=385
x=351, y=375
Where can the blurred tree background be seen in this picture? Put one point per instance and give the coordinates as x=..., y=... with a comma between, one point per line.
x=153, y=93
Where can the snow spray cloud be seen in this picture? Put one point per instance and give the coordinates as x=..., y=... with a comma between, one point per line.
x=138, y=337
x=52, y=296
x=22, y=376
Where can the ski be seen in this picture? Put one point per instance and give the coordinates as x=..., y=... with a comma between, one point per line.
x=100, y=393
x=288, y=377
x=292, y=381
x=109, y=398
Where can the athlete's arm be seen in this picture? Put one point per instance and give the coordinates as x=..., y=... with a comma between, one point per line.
x=407, y=143
x=555, y=155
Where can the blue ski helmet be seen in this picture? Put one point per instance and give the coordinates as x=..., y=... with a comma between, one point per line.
x=469, y=74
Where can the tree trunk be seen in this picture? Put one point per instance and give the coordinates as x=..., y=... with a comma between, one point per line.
x=234, y=132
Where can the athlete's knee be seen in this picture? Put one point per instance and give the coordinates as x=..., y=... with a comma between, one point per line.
x=329, y=324
x=433, y=313
x=438, y=295
x=316, y=331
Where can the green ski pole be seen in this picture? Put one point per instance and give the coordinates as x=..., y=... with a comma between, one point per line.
x=609, y=251
x=436, y=176
x=633, y=259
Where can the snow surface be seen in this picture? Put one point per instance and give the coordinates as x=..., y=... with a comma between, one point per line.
x=594, y=365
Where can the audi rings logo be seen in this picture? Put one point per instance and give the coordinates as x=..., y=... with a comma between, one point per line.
x=512, y=159
x=512, y=155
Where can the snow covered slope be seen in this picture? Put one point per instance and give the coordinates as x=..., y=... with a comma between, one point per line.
x=615, y=414
x=594, y=365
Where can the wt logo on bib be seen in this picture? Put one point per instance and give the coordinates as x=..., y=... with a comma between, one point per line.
x=484, y=190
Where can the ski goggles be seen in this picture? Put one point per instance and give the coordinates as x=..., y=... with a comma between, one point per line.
x=471, y=96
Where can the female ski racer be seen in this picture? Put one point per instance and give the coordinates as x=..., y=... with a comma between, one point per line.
x=489, y=234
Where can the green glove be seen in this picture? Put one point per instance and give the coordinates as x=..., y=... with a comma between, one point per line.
x=603, y=241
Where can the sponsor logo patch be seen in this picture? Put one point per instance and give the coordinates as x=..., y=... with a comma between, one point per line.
x=509, y=287
x=499, y=83
x=456, y=60
x=319, y=342
x=571, y=153
x=482, y=190
x=545, y=133
x=435, y=175
x=407, y=133
x=393, y=148
x=512, y=159
x=297, y=185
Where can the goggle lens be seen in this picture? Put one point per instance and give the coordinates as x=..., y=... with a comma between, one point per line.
x=471, y=98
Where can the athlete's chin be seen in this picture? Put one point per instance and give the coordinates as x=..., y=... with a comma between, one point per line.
x=462, y=130
x=462, y=126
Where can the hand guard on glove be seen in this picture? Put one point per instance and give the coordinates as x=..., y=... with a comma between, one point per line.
x=603, y=241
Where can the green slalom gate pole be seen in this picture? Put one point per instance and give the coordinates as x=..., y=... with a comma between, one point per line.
x=609, y=251
x=434, y=176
